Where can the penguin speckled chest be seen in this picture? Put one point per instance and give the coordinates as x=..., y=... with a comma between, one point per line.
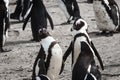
x=51, y=53
x=107, y=15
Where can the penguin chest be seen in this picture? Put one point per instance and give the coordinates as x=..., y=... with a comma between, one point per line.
x=77, y=48
x=103, y=20
x=55, y=62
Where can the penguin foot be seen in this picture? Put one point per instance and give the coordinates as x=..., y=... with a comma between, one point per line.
x=109, y=34
x=34, y=40
x=106, y=33
x=90, y=1
x=5, y=50
x=65, y=23
x=14, y=16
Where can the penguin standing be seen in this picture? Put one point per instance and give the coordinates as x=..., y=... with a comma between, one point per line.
x=39, y=16
x=70, y=9
x=4, y=23
x=107, y=16
x=83, y=51
x=51, y=53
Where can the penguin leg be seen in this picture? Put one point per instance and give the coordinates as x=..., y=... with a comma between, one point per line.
x=4, y=50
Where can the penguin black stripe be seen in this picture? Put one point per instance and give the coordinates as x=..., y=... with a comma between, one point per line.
x=49, y=55
x=82, y=34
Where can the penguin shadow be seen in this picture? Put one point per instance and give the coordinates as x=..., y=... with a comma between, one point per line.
x=96, y=34
x=111, y=74
x=82, y=2
x=13, y=33
x=12, y=3
x=15, y=22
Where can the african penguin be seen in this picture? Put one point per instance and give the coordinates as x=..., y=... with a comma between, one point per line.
x=39, y=16
x=51, y=53
x=70, y=9
x=84, y=67
x=81, y=36
x=107, y=15
x=4, y=23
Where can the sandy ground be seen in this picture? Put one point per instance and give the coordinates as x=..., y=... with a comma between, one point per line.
x=17, y=64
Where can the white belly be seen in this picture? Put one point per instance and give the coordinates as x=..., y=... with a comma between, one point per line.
x=103, y=20
x=55, y=63
x=77, y=49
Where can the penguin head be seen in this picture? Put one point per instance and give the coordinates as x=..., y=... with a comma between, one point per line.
x=42, y=77
x=79, y=25
x=43, y=33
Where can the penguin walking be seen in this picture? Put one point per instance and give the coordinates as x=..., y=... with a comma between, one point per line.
x=107, y=16
x=70, y=9
x=51, y=53
x=83, y=51
x=39, y=15
x=4, y=23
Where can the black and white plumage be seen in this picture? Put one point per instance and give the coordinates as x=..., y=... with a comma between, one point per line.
x=107, y=15
x=4, y=23
x=70, y=9
x=42, y=71
x=51, y=53
x=39, y=15
x=83, y=52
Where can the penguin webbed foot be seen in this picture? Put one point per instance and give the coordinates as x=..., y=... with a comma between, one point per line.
x=65, y=23
x=89, y=1
x=5, y=50
x=107, y=33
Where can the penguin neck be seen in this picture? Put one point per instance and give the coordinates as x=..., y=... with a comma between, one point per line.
x=46, y=42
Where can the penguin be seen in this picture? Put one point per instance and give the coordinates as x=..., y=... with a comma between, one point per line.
x=39, y=16
x=85, y=67
x=80, y=27
x=107, y=15
x=51, y=53
x=70, y=9
x=4, y=23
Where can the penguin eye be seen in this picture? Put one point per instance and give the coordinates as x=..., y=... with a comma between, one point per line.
x=40, y=30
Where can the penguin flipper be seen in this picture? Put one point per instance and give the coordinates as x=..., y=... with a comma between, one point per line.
x=67, y=53
x=35, y=62
x=97, y=55
x=26, y=21
x=115, y=15
x=50, y=20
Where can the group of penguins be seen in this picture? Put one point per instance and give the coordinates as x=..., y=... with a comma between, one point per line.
x=50, y=59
